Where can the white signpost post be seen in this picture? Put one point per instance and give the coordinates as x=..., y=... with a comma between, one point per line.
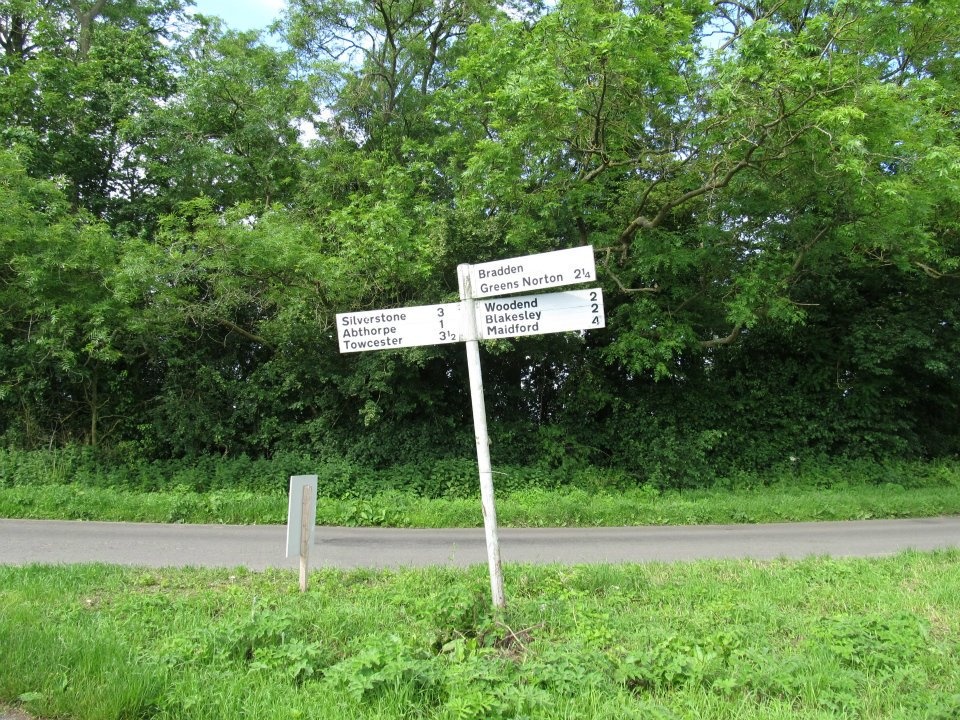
x=474, y=319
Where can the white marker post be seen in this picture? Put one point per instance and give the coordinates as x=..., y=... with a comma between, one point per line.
x=302, y=521
x=483, y=439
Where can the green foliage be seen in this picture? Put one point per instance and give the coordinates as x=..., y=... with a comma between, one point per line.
x=386, y=669
x=270, y=641
x=771, y=192
x=672, y=663
x=878, y=644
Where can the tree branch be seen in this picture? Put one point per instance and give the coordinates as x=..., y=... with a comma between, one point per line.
x=716, y=342
x=646, y=223
x=933, y=272
x=620, y=283
x=245, y=333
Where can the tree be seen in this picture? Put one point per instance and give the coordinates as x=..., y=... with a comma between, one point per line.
x=377, y=62
x=231, y=130
x=688, y=165
x=76, y=75
x=63, y=331
x=771, y=189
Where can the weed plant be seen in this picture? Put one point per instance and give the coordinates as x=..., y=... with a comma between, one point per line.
x=818, y=638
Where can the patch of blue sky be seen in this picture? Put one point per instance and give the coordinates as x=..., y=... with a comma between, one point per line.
x=242, y=15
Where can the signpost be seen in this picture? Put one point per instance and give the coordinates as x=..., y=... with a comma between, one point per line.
x=485, y=469
x=474, y=319
x=400, y=328
x=539, y=314
x=533, y=272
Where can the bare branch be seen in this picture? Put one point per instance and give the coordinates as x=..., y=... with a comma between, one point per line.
x=716, y=342
x=245, y=333
x=933, y=272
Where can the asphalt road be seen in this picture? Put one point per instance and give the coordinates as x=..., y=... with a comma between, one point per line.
x=259, y=547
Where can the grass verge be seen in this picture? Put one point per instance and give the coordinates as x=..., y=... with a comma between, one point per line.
x=562, y=507
x=818, y=638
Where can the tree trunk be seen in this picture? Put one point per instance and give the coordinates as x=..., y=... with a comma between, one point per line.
x=85, y=20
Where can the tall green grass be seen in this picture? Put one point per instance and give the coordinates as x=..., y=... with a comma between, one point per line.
x=818, y=638
x=61, y=485
x=566, y=507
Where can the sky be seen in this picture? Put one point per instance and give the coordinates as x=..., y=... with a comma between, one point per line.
x=242, y=14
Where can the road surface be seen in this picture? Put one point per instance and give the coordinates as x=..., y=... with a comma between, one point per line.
x=259, y=546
